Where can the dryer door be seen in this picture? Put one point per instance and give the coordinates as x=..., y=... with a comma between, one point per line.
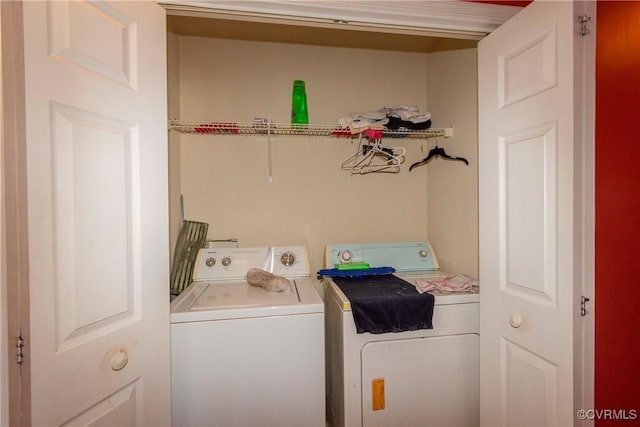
x=425, y=381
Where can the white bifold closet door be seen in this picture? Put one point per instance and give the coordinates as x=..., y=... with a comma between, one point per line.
x=96, y=143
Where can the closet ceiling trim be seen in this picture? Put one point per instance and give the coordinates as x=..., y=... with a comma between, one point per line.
x=461, y=19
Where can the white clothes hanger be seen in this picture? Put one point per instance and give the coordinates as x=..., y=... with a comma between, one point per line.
x=374, y=158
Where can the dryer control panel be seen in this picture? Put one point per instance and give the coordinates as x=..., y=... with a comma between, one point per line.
x=403, y=256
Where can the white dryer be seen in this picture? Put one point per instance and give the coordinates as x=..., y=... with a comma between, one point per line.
x=244, y=356
x=422, y=377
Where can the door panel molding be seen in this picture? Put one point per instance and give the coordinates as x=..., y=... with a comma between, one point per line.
x=525, y=373
x=77, y=36
x=95, y=212
x=126, y=403
x=528, y=180
x=534, y=63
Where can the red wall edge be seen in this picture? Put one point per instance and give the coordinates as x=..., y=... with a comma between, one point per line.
x=617, y=335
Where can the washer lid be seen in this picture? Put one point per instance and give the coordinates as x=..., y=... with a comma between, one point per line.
x=237, y=299
x=242, y=295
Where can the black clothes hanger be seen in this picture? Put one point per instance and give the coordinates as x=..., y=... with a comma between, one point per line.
x=437, y=152
x=383, y=150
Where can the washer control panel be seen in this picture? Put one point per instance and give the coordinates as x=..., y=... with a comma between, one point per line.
x=402, y=256
x=233, y=263
x=290, y=261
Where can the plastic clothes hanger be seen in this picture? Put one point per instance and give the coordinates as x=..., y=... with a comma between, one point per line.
x=374, y=158
x=437, y=152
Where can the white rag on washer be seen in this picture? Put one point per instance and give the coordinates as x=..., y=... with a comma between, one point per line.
x=458, y=283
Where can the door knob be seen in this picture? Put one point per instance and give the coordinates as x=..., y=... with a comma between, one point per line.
x=119, y=360
x=516, y=320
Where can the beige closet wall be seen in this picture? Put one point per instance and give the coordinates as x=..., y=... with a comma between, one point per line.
x=453, y=187
x=311, y=201
x=173, y=106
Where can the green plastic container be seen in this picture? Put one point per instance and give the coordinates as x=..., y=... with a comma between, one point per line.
x=353, y=266
x=299, y=112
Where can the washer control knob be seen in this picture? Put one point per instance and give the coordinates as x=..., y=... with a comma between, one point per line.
x=345, y=256
x=211, y=261
x=226, y=261
x=423, y=253
x=288, y=258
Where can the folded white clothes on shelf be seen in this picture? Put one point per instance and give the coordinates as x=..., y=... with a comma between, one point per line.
x=409, y=113
x=362, y=120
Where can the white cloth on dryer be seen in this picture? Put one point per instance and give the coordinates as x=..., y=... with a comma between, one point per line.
x=457, y=283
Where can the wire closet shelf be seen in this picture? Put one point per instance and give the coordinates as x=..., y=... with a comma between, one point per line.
x=288, y=129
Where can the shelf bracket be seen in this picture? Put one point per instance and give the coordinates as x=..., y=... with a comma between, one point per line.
x=448, y=132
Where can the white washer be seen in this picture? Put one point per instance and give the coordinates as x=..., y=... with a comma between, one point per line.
x=415, y=378
x=244, y=356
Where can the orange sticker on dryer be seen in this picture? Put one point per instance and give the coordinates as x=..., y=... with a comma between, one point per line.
x=377, y=394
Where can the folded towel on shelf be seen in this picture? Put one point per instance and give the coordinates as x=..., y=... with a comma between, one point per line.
x=457, y=283
x=362, y=120
x=396, y=123
x=363, y=129
x=394, y=117
x=341, y=133
x=409, y=113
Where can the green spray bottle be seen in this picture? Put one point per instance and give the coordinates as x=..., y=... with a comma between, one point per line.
x=299, y=112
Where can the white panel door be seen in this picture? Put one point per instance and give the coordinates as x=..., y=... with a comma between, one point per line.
x=527, y=229
x=95, y=77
